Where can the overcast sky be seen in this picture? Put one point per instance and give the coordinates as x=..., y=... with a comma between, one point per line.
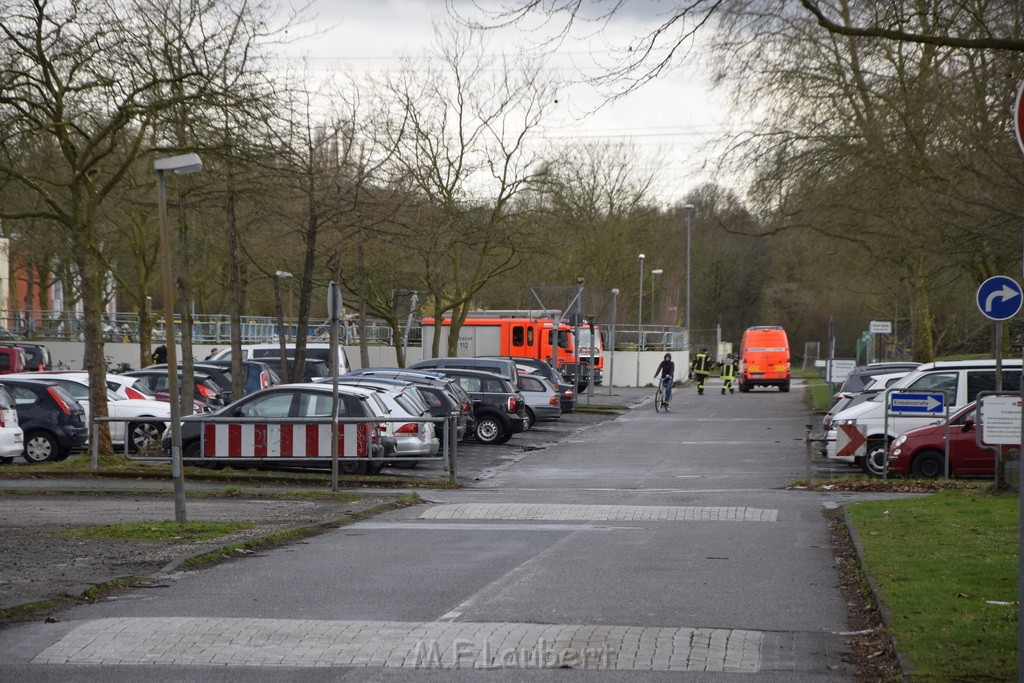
x=668, y=120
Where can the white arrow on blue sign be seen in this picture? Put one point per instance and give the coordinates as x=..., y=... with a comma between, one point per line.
x=923, y=403
x=999, y=298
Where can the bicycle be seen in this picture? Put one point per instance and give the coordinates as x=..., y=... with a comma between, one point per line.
x=659, y=395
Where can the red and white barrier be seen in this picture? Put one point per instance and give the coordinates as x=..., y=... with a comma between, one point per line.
x=251, y=440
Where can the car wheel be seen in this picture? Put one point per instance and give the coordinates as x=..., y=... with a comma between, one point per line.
x=489, y=430
x=531, y=419
x=41, y=447
x=142, y=435
x=874, y=462
x=928, y=464
x=346, y=466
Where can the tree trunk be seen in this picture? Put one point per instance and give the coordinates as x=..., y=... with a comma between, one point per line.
x=921, y=315
x=92, y=280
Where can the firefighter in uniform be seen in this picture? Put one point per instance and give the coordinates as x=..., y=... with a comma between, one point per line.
x=727, y=371
x=701, y=368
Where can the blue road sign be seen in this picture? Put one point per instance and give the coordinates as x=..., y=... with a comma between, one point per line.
x=999, y=298
x=920, y=403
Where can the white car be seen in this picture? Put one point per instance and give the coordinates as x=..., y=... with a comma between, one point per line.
x=314, y=351
x=12, y=439
x=146, y=419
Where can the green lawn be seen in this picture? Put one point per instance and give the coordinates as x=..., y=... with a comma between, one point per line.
x=947, y=567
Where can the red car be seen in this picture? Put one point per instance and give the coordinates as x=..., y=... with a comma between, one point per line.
x=921, y=452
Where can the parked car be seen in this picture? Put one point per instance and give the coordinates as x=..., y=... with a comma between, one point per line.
x=960, y=381
x=921, y=452
x=403, y=399
x=294, y=400
x=498, y=405
x=258, y=375
x=206, y=389
x=314, y=351
x=312, y=369
x=145, y=419
x=12, y=439
x=499, y=366
x=566, y=387
x=53, y=422
x=444, y=395
x=862, y=374
x=37, y=356
x=542, y=402
x=875, y=384
x=12, y=359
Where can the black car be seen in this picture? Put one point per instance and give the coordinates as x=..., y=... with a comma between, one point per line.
x=312, y=369
x=206, y=389
x=53, y=421
x=862, y=374
x=283, y=401
x=258, y=375
x=494, y=364
x=498, y=405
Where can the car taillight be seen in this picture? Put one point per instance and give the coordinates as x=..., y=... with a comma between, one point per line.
x=513, y=404
x=411, y=428
x=466, y=408
x=206, y=392
x=3, y=422
x=132, y=393
x=553, y=401
x=568, y=393
x=264, y=380
x=65, y=408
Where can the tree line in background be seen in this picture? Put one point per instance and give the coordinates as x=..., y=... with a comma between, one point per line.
x=878, y=179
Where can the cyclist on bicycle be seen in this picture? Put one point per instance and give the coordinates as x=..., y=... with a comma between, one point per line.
x=667, y=370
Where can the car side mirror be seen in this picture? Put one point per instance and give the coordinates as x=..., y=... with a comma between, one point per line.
x=968, y=425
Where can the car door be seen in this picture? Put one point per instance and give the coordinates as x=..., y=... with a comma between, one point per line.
x=965, y=457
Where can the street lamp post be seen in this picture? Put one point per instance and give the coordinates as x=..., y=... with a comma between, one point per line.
x=180, y=165
x=654, y=310
x=688, y=208
x=611, y=343
x=640, y=320
x=285, y=275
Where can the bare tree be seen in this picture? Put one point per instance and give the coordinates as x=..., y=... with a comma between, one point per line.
x=460, y=123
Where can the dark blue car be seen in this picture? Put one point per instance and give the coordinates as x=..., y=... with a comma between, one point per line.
x=52, y=420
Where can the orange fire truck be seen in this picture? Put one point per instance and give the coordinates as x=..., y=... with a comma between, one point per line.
x=517, y=333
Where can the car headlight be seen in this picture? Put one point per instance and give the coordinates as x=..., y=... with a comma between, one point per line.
x=900, y=440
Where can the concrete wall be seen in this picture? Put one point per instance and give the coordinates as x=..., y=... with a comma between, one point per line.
x=620, y=370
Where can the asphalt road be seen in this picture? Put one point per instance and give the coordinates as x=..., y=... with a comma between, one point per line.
x=651, y=546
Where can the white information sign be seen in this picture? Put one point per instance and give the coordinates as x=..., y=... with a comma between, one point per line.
x=839, y=369
x=1000, y=420
x=880, y=327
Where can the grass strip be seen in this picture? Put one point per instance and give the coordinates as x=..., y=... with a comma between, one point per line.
x=946, y=565
x=160, y=531
x=116, y=467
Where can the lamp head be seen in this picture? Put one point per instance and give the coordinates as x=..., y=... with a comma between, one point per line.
x=657, y=271
x=182, y=164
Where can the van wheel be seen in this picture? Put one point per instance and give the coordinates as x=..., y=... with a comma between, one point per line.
x=744, y=387
x=874, y=462
x=784, y=387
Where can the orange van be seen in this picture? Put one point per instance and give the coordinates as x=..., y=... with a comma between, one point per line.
x=764, y=358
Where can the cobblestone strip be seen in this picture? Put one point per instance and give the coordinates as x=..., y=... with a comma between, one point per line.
x=598, y=513
x=446, y=645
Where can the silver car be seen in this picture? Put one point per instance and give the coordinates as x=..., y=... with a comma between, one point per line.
x=543, y=402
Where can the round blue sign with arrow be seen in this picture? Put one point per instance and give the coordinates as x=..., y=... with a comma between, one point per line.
x=999, y=298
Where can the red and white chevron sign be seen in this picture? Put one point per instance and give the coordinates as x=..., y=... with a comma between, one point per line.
x=849, y=441
x=249, y=440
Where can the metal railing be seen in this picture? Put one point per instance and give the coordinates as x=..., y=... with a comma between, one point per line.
x=447, y=452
